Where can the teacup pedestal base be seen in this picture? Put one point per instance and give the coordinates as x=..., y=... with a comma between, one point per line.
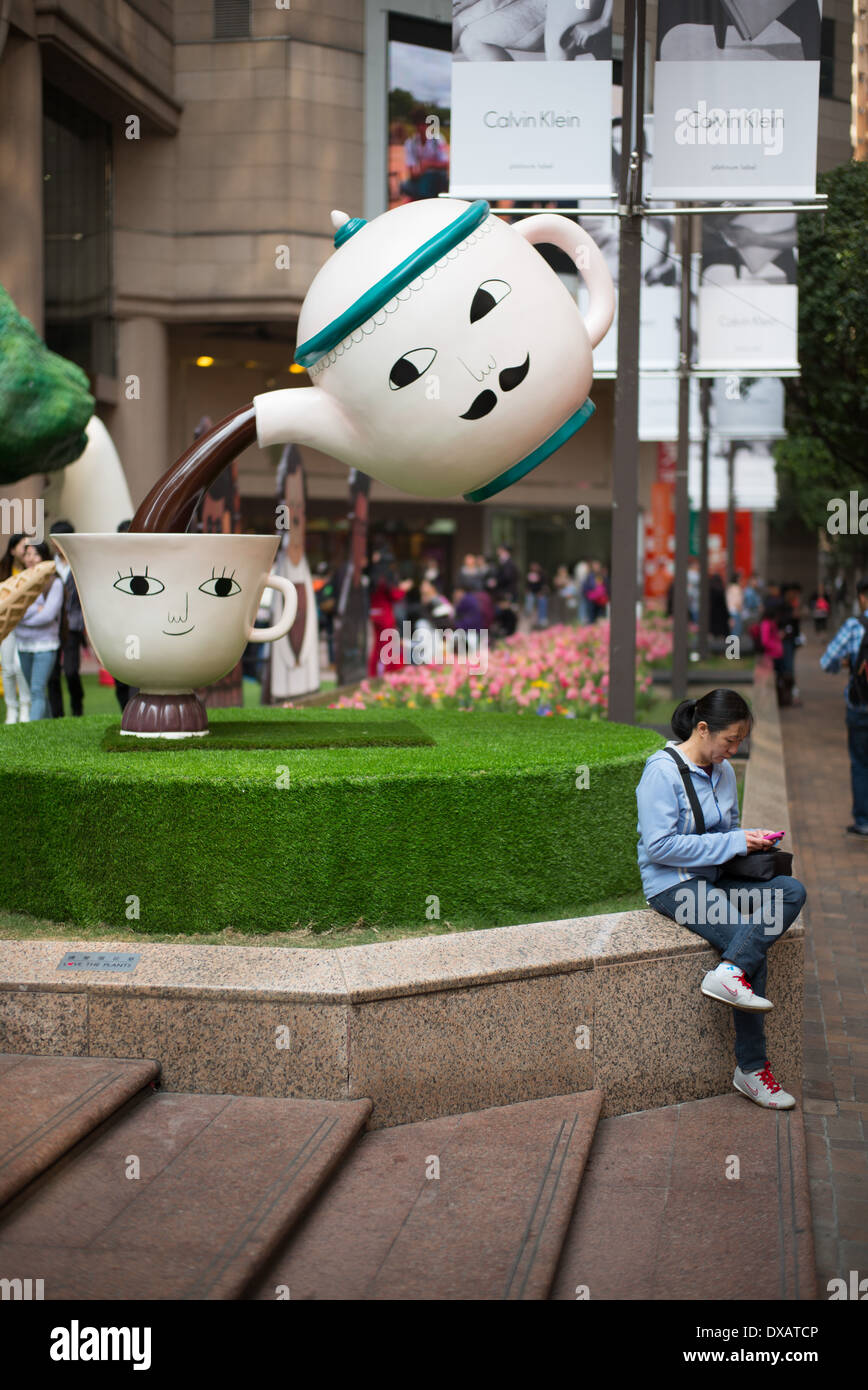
x=180, y=715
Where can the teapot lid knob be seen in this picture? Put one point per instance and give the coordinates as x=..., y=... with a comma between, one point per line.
x=345, y=226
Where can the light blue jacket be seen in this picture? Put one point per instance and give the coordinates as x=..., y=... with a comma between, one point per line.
x=670, y=851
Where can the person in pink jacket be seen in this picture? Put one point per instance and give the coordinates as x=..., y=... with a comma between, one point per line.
x=771, y=643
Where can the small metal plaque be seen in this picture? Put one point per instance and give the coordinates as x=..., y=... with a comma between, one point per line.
x=99, y=960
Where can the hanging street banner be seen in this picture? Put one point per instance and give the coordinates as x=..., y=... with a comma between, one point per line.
x=717, y=522
x=605, y=232
x=659, y=547
x=755, y=486
x=531, y=98
x=660, y=293
x=736, y=99
x=748, y=296
x=745, y=408
x=658, y=409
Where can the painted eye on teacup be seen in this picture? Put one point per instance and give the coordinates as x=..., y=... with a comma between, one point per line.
x=489, y=294
x=410, y=367
x=220, y=586
x=139, y=585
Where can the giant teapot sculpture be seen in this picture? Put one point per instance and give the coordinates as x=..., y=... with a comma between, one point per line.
x=446, y=357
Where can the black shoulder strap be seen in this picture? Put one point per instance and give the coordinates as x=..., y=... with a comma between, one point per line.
x=690, y=789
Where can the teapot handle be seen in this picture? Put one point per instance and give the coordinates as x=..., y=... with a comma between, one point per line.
x=559, y=231
x=287, y=617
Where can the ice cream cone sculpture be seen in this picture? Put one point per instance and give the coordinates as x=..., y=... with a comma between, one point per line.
x=17, y=594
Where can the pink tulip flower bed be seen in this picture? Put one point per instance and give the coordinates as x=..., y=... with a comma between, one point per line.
x=561, y=670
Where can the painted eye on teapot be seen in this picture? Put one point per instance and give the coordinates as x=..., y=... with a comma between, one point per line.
x=410, y=367
x=139, y=585
x=490, y=293
x=220, y=586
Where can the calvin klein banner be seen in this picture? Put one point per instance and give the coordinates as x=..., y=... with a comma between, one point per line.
x=748, y=295
x=531, y=98
x=755, y=487
x=736, y=98
x=660, y=296
x=742, y=408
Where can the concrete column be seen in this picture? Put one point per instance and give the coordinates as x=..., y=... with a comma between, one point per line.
x=140, y=420
x=21, y=193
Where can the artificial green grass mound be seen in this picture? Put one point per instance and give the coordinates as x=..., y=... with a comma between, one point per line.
x=491, y=823
x=275, y=733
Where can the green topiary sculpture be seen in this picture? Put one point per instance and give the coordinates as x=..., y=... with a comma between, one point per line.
x=45, y=403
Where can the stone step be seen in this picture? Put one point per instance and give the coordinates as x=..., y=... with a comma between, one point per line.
x=48, y=1104
x=709, y=1199
x=183, y=1197
x=490, y=1226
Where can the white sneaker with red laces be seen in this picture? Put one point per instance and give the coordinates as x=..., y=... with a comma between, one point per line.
x=760, y=1086
x=730, y=985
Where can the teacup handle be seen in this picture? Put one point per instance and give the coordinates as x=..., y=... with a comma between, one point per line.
x=559, y=231
x=287, y=617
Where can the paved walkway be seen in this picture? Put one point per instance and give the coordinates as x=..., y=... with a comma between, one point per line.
x=834, y=868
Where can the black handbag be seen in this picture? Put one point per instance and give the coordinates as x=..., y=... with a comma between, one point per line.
x=760, y=864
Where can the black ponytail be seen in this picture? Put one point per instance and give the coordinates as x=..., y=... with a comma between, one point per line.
x=718, y=709
x=682, y=720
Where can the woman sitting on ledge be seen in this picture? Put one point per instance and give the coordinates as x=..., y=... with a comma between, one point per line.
x=682, y=866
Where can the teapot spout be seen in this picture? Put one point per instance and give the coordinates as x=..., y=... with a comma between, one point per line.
x=306, y=415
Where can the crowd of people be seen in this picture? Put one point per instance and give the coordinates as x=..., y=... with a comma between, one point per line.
x=776, y=627
x=769, y=614
x=44, y=649
x=485, y=598
x=31, y=655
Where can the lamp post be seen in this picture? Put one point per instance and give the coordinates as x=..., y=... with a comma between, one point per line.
x=625, y=479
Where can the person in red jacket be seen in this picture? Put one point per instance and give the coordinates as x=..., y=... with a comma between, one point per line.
x=386, y=650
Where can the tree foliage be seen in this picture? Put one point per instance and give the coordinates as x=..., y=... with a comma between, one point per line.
x=45, y=402
x=825, y=454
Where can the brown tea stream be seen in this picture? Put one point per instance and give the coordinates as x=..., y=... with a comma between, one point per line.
x=172, y=501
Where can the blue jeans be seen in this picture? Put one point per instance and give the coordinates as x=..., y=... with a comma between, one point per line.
x=743, y=937
x=857, y=743
x=37, y=667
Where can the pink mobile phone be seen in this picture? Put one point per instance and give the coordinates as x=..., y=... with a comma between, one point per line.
x=773, y=839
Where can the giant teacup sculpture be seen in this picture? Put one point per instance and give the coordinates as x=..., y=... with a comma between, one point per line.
x=446, y=357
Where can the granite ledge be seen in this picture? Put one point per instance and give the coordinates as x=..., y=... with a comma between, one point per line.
x=358, y=974
x=208, y=972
